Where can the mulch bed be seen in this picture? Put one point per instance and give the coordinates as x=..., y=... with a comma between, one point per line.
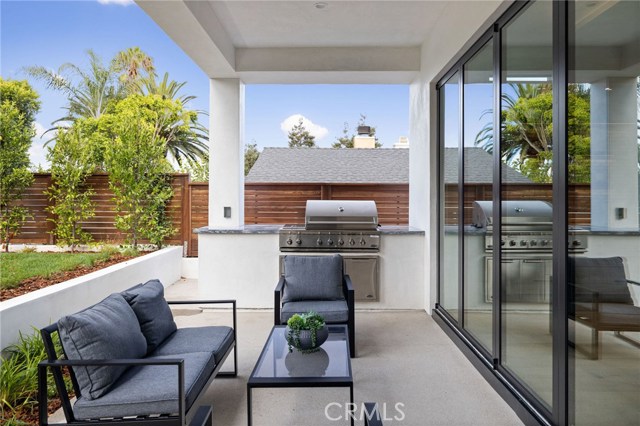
x=37, y=283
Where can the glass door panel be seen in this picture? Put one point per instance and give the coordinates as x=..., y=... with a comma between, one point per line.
x=450, y=145
x=526, y=154
x=604, y=165
x=478, y=178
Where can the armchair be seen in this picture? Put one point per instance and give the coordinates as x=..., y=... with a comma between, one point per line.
x=599, y=298
x=316, y=283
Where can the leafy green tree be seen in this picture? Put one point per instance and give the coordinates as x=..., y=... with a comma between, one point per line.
x=251, y=155
x=189, y=142
x=132, y=64
x=138, y=170
x=72, y=162
x=198, y=171
x=299, y=136
x=527, y=129
x=18, y=106
x=346, y=140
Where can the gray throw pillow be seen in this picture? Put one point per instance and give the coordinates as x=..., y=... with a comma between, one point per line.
x=106, y=330
x=153, y=312
x=312, y=278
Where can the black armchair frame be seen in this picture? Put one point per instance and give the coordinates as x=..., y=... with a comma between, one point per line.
x=349, y=295
x=592, y=318
x=57, y=362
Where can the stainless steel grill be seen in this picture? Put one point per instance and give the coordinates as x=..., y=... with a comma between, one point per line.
x=348, y=227
x=527, y=226
x=526, y=247
x=334, y=225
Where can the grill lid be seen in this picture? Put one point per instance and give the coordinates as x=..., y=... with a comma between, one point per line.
x=514, y=212
x=341, y=214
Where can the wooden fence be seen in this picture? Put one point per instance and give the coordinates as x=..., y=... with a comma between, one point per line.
x=276, y=203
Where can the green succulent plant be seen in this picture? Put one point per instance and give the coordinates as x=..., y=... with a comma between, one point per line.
x=307, y=321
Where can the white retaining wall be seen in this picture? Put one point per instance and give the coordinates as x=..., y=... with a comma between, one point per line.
x=42, y=307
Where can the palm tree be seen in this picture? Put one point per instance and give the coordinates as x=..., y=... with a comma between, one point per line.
x=132, y=63
x=188, y=143
x=88, y=91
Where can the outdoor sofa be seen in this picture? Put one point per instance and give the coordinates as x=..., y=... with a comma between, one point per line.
x=130, y=364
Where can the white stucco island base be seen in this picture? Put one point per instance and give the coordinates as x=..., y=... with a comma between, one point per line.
x=244, y=266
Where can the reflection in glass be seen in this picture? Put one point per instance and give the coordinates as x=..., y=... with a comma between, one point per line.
x=450, y=138
x=604, y=165
x=526, y=153
x=478, y=178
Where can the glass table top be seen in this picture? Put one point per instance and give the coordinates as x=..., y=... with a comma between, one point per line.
x=330, y=361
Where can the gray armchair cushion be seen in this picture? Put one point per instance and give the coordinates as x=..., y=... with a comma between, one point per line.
x=106, y=330
x=605, y=276
x=333, y=311
x=153, y=312
x=312, y=278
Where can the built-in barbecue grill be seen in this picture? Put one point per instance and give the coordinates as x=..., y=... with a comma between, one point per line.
x=527, y=226
x=348, y=227
x=334, y=225
x=526, y=246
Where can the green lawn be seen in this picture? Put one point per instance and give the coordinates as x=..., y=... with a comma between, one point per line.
x=16, y=267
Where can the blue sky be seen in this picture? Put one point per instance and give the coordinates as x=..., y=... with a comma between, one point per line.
x=50, y=33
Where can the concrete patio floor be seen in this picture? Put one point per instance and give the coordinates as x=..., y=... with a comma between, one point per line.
x=404, y=362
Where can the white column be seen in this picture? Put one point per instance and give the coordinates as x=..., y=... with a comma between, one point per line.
x=226, y=165
x=614, y=154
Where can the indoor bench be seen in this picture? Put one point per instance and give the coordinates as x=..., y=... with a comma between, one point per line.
x=130, y=364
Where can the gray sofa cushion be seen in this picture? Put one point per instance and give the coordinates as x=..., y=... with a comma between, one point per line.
x=333, y=311
x=605, y=276
x=150, y=389
x=216, y=339
x=312, y=278
x=153, y=312
x=106, y=330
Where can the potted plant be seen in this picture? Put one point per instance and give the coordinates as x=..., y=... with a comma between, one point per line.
x=306, y=332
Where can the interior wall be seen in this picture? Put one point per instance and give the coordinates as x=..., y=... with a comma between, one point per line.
x=462, y=22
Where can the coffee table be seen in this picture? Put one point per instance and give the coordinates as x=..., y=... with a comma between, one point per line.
x=276, y=367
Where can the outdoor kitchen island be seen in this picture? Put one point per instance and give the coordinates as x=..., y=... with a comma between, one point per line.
x=243, y=263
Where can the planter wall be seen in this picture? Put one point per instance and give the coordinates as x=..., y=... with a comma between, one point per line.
x=42, y=307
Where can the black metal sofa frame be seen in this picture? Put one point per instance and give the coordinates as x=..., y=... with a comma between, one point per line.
x=56, y=363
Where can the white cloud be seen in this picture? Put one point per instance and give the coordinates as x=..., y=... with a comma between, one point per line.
x=38, y=152
x=118, y=2
x=315, y=129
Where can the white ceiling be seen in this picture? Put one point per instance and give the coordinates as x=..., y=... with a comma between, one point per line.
x=294, y=41
x=257, y=24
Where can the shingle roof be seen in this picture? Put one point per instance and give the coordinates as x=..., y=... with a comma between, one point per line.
x=382, y=165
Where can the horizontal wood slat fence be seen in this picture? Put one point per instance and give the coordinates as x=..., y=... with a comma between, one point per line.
x=274, y=203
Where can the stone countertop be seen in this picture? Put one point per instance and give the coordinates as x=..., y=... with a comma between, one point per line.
x=274, y=229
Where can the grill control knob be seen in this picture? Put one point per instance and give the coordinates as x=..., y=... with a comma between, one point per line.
x=352, y=242
x=577, y=243
x=330, y=241
x=298, y=241
x=533, y=243
x=363, y=242
x=340, y=242
x=289, y=241
x=503, y=242
x=523, y=243
x=319, y=242
x=512, y=243
x=544, y=243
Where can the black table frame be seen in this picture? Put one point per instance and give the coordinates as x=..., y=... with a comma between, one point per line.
x=299, y=382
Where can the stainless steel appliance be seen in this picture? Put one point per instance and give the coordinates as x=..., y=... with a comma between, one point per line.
x=527, y=245
x=348, y=227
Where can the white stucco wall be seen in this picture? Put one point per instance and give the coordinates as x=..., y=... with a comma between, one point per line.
x=245, y=267
x=442, y=48
x=45, y=306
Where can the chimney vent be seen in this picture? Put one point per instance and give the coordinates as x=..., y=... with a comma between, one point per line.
x=364, y=130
